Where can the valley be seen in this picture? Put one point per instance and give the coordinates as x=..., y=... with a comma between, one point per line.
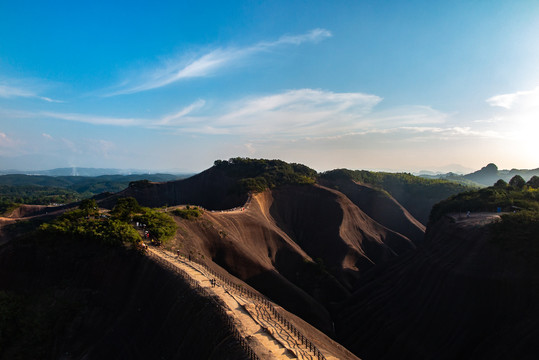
x=308, y=261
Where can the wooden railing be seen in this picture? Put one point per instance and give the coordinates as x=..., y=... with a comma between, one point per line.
x=259, y=300
x=242, y=342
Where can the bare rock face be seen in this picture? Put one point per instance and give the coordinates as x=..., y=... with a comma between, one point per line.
x=304, y=246
x=459, y=296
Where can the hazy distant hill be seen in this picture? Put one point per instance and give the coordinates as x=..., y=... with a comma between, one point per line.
x=78, y=171
x=489, y=174
x=42, y=189
x=486, y=176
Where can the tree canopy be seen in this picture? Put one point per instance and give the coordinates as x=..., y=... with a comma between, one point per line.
x=533, y=182
x=260, y=174
x=517, y=182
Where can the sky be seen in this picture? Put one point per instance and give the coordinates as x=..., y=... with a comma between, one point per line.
x=175, y=85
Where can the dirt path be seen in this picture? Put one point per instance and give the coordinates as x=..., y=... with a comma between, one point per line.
x=267, y=332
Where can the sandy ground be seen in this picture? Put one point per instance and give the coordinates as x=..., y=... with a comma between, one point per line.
x=267, y=336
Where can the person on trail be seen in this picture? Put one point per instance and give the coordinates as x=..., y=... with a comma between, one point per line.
x=177, y=253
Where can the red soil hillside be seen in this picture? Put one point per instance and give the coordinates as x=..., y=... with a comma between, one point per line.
x=380, y=206
x=304, y=246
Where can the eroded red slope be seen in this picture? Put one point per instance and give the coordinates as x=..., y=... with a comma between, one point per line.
x=304, y=246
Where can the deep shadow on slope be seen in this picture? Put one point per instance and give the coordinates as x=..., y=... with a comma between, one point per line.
x=79, y=300
x=304, y=246
x=460, y=296
x=380, y=206
x=211, y=189
x=328, y=226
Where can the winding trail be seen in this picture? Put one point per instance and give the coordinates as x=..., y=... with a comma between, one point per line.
x=267, y=332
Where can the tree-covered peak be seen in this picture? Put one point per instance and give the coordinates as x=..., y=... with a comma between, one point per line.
x=259, y=174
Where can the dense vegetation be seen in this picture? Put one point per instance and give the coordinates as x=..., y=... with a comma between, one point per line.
x=86, y=223
x=518, y=230
x=45, y=190
x=12, y=196
x=415, y=193
x=517, y=195
x=259, y=174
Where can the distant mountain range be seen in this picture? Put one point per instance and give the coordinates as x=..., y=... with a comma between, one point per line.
x=487, y=176
x=81, y=171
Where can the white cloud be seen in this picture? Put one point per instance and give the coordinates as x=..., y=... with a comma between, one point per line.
x=303, y=112
x=178, y=116
x=208, y=64
x=309, y=113
x=519, y=99
x=47, y=136
x=8, y=92
x=300, y=113
x=519, y=120
x=93, y=119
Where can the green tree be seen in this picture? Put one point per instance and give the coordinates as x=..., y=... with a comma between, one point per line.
x=89, y=207
x=161, y=226
x=533, y=182
x=517, y=182
x=125, y=207
x=501, y=184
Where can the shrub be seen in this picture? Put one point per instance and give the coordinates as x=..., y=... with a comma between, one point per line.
x=74, y=225
x=89, y=207
x=188, y=213
x=160, y=225
x=125, y=208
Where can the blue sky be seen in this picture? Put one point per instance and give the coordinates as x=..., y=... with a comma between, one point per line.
x=385, y=85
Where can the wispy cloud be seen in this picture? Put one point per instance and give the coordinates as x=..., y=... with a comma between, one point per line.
x=292, y=114
x=303, y=112
x=519, y=117
x=180, y=115
x=181, y=68
x=8, y=92
x=520, y=99
x=93, y=119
